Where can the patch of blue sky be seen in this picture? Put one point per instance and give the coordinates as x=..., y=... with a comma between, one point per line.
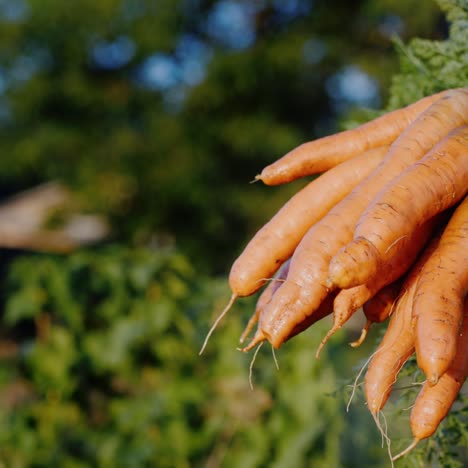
x=391, y=25
x=313, y=51
x=232, y=23
x=112, y=55
x=193, y=56
x=290, y=9
x=13, y=10
x=353, y=86
x=159, y=72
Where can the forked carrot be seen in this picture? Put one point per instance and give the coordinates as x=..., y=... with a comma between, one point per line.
x=431, y=185
x=307, y=283
x=378, y=308
x=265, y=298
x=397, y=344
x=275, y=242
x=348, y=301
x=434, y=401
x=321, y=155
x=440, y=292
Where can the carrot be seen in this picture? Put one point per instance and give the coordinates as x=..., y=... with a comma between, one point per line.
x=397, y=344
x=440, y=292
x=434, y=401
x=436, y=182
x=378, y=308
x=307, y=283
x=325, y=309
x=348, y=301
x=265, y=298
x=276, y=241
x=321, y=155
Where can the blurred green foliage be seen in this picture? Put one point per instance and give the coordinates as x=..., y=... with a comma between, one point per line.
x=105, y=372
x=170, y=161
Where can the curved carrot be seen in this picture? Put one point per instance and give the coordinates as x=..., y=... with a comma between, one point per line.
x=325, y=309
x=276, y=241
x=434, y=401
x=440, y=292
x=348, y=301
x=436, y=182
x=397, y=344
x=308, y=283
x=265, y=298
x=321, y=155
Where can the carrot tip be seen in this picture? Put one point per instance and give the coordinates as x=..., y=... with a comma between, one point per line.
x=216, y=322
x=324, y=342
x=256, y=179
x=407, y=450
x=433, y=378
x=258, y=338
x=360, y=340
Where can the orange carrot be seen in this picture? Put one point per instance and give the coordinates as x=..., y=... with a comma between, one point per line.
x=436, y=182
x=434, y=401
x=307, y=283
x=321, y=155
x=276, y=241
x=378, y=308
x=325, y=309
x=397, y=344
x=440, y=292
x=348, y=301
x=265, y=298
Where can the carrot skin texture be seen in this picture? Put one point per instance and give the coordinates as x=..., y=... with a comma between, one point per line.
x=321, y=155
x=378, y=308
x=438, y=302
x=275, y=242
x=348, y=301
x=434, y=401
x=436, y=182
x=308, y=280
x=265, y=298
x=397, y=344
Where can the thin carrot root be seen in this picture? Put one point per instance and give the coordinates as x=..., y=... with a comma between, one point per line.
x=273, y=352
x=258, y=338
x=251, y=323
x=384, y=433
x=407, y=450
x=252, y=362
x=364, y=331
x=330, y=333
x=216, y=322
x=356, y=380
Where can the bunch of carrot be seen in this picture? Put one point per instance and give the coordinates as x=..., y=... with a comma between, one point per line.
x=385, y=229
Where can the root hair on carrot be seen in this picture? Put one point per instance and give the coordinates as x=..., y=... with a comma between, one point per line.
x=216, y=322
x=330, y=333
x=356, y=380
x=407, y=450
x=258, y=338
x=362, y=337
x=252, y=362
x=394, y=243
x=275, y=359
x=384, y=432
x=250, y=324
